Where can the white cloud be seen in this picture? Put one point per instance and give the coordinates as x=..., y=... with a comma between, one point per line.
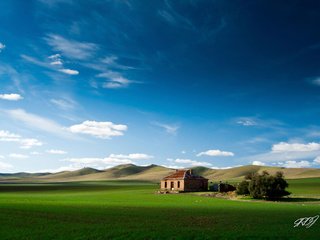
x=317, y=160
x=11, y=97
x=69, y=71
x=215, y=153
x=5, y=166
x=296, y=164
x=18, y=156
x=55, y=59
x=258, y=163
x=288, y=152
x=25, y=143
x=295, y=147
x=55, y=151
x=2, y=46
x=190, y=162
x=171, y=129
x=71, y=48
x=99, y=129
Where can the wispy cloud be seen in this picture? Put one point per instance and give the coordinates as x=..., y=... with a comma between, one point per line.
x=169, y=128
x=114, y=80
x=104, y=130
x=17, y=78
x=247, y=122
x=216, y=153
x=71, y=48
x=37, y=122
x=174, y=18
x=316, y=81
x=112, y=62
x=64, y=103
x=2, y=46
x=11, y=96
x=55, y=64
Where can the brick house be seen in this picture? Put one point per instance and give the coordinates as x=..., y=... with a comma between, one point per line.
x=184, y=181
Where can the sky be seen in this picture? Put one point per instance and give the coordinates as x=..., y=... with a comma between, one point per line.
x=175, y=83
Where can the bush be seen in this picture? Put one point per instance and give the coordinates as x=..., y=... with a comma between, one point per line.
x=243, y=188
x=264, y=186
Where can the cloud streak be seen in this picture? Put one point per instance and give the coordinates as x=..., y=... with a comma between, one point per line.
x=71, y=48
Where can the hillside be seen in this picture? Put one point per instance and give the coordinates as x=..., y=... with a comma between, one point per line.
x=154, y=173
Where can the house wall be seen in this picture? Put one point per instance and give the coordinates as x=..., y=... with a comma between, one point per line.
x=175, y=185
x=191, y=185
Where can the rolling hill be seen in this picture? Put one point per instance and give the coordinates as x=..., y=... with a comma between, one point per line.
x=154, y=173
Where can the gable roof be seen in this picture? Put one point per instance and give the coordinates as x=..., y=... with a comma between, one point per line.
x=183, y=174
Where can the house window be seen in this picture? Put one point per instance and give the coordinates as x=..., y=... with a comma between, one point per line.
x=172, y=184
x=165, y=184
x=178, y=184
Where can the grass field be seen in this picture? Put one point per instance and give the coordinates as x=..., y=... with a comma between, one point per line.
x=131, y=210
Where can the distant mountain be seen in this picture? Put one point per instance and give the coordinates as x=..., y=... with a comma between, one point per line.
x=154, y=173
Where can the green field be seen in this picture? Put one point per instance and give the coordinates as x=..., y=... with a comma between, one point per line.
x=132, y=210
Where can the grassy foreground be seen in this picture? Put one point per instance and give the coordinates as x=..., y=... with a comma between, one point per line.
x=131, y=210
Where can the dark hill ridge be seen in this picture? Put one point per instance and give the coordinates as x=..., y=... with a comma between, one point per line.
x=154, y=173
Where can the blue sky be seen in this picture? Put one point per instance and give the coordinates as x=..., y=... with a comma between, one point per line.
x=174, y=83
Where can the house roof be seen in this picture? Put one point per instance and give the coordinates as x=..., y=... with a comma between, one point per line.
x=183, y=174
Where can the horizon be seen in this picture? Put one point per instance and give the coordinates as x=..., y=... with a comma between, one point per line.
x=173, y=83
x=135, y=165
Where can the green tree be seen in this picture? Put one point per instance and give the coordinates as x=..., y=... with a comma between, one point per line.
x=264, y=185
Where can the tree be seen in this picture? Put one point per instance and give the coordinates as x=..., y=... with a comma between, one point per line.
x=264, y=185
x=242, y=188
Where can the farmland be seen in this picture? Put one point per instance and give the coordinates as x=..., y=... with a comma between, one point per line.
x=132, y=210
